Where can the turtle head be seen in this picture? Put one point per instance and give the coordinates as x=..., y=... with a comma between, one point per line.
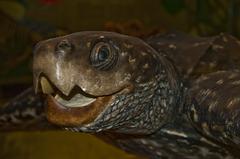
x=98, y=81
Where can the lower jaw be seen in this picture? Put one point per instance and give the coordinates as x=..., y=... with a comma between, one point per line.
x=78, y=116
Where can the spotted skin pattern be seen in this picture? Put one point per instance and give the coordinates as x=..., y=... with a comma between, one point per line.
x=24, y=112
x=216, y=113
x=189, y=109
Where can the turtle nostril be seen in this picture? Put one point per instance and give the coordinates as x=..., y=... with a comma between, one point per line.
x=64, y=47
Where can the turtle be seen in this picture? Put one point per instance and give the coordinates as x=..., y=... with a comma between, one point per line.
x=169, y=95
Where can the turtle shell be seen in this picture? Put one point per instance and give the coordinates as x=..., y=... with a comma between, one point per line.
x=210, y=69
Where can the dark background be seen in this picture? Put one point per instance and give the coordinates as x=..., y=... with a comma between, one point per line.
x=25, y=22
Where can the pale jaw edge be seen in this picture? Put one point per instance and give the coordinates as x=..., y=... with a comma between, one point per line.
x=76, y=101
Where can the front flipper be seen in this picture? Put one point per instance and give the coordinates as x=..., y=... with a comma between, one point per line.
x=25, y=112
x=216, y=113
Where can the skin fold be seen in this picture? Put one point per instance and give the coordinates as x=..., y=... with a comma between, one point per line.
x=167, y=96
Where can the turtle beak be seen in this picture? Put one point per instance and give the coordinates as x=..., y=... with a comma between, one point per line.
x=46, y=87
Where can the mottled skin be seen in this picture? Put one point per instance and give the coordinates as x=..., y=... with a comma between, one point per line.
x=169, y=96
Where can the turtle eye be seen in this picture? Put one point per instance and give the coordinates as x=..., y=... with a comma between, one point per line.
x=103, y=56
x=103, y=53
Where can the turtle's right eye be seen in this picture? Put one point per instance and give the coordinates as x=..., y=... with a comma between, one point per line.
x=103, y=56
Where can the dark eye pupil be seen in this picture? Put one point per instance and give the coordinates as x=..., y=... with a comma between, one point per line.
x=103, y=53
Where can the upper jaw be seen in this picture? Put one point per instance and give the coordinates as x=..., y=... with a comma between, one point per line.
x=75, y=98
x=49, y=84
x=76, y=109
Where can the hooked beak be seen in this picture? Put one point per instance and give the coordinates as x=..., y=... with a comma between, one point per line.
x=75, y=109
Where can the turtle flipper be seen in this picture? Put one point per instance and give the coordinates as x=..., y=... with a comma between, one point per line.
x=216, y=113
x=25, y=112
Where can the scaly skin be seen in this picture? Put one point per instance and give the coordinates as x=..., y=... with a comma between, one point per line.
x=162, y=98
